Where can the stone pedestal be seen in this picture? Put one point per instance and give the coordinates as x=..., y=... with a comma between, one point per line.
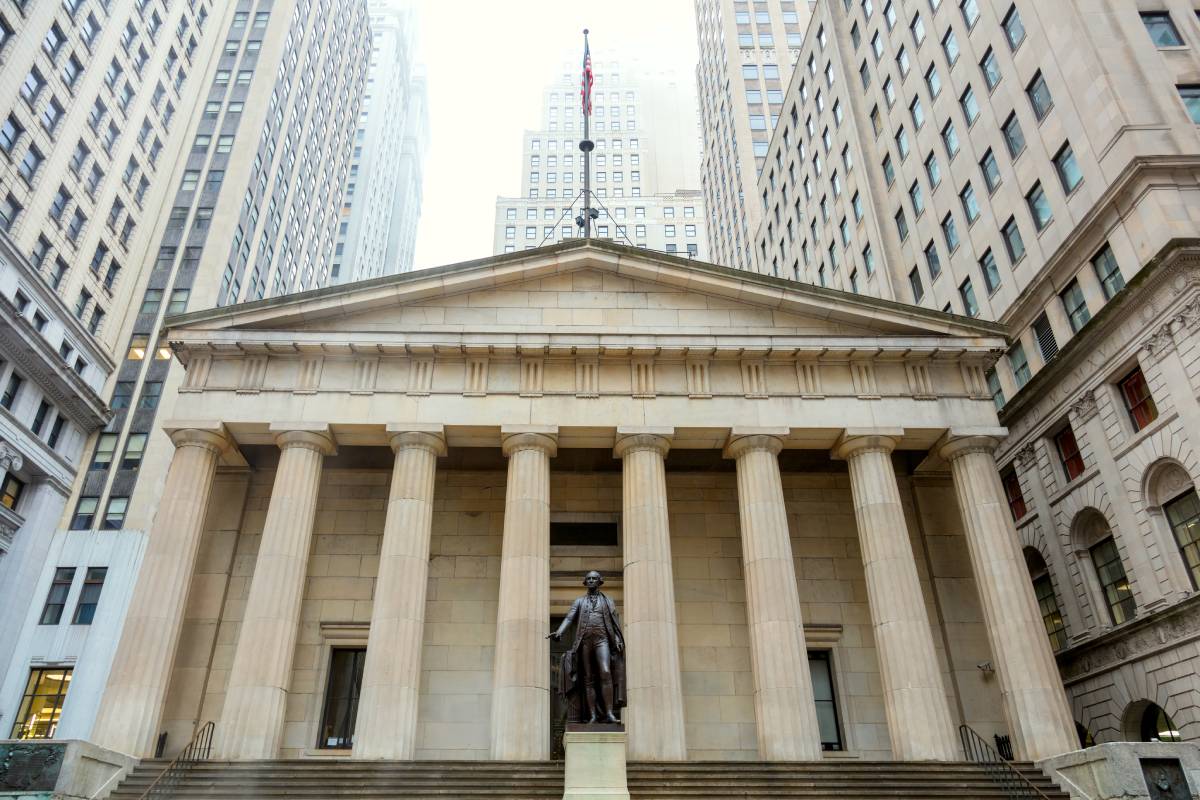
x=595, y=767
x=61, y=769
x=1121, y=771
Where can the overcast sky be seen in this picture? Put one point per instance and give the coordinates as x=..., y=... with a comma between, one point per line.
x=488, y=63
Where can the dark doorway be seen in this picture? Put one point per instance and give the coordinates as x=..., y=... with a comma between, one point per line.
x=341, y=698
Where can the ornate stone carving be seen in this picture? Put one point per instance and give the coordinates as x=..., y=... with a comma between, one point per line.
x=1026, y=458
x=1159, y=342
x=10, y=458
x=1084, y=408
x=1161, y=630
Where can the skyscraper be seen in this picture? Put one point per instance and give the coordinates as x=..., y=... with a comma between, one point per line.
x=645, y=168
x=746, y=54
x=1032, y=164
x=247, y=117
x=382, y=203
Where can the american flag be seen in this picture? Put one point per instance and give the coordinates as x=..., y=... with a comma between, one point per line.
x=585, y=84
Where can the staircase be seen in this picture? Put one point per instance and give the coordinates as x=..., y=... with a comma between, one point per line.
x=425, y=780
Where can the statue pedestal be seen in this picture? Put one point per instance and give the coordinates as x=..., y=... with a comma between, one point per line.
x=595, y=767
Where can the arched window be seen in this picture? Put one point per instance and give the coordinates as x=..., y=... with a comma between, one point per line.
x=1043, y=589
x=1156, y=726
x=1183, y=514
x=1091, y=532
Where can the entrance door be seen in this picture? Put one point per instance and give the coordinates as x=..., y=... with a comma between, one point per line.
x=558, y=707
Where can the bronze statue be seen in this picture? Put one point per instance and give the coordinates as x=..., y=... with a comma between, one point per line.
x=592, y=674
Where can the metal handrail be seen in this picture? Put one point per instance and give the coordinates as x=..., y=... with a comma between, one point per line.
x=197, y=750
x=978, y=751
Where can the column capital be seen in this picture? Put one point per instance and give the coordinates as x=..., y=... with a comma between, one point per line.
x=310, y=435
x=738, y=446
x=529, y=437
x=959, y=441
x=207, y=434
x=421, y=437
x=855, y=441
x=632, y=439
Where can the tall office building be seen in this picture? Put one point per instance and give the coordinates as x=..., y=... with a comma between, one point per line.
x=1034, y=164
x=382, y=203
x=747, y=50
x=645, y=168
x=239, y=128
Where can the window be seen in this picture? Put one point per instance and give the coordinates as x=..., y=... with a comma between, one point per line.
x=889, y=174
x=1108, y=272
x=341, y=697
x=1043, y=591
x=991, y=272
x=135, y=447
x=1039, y=206
x=1161, y=29
x=950, y=231
x=106, y=445
x=967, y=292
x=970, y=106
x=901, y=225
x=950, y=46
x=820, y=667
x=93, y=583
x=1044, y=334
x=56, y=598
x=1068, y=453
x=1013, y=241
x=914, y=196
x=932, y=261
x=1183, y=515
x=995, y=389
x=1075, y=305
x=902, y=143
x=970, y=11
x=969, y=204
x=122, y=394
x=1020, y=364
x=1113, y=582
x=1191, y=100
x=42, y=703
x=1014, y=29
x=1012, y=491
x=10, y=491
x=32, y=86
x=932, y=171
x=914, y=282
x=1138, y=400
x=933, y=81
x=10, y=132
x=918, y=113
x=1067, y=168
x=1014, y=137
x=950, y=139
x=990, y=69
x=1039, y=96
x=11, y=390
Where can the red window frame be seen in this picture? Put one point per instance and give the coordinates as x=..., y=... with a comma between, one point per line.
x=1068, y=453
x=1138, y=400
x=1012, y=491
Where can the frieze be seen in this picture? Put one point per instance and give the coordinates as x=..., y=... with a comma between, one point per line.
x=1167, y=629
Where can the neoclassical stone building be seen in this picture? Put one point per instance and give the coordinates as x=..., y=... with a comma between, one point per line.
x=1100, y=471
x=381, y=495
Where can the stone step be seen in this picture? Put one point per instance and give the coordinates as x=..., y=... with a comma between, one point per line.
x=489, y=780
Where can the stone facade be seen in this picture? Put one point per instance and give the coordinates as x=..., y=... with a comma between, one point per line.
x=391, y=460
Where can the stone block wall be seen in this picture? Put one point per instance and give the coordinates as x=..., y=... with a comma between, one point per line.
x=464, y=577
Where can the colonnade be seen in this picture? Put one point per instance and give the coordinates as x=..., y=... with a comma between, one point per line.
x=919, y=719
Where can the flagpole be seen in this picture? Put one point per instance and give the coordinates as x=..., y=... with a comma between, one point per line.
x=587, y=145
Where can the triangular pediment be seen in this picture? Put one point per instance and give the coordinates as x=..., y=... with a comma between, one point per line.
x=582, y=289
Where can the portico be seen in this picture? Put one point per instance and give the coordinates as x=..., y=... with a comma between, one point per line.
x=776, y=459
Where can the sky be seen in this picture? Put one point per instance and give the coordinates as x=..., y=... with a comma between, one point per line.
x=488, y=62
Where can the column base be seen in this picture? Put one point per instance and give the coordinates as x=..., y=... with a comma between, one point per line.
x=595, y=768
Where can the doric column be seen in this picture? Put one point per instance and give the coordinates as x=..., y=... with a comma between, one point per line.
x=1034, y=701
x=918, y=715
x=387, y=708
x=521, y=674
x=655, y=712
x=132, y=705
x=256, y=698
x=784, y=710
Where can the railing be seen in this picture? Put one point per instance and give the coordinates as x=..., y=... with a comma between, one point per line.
x=1010, y=779
x=198, y=750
